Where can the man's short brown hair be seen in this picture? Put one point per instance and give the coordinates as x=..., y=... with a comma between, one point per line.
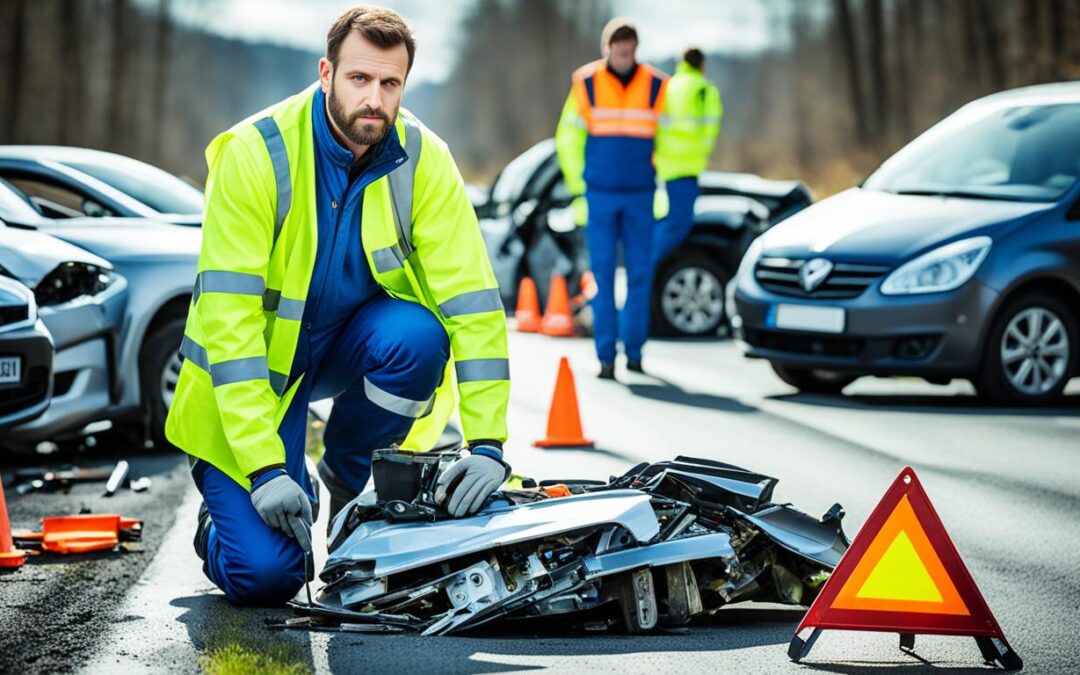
x=694, y=57
x=382, y=27
x=617, y=30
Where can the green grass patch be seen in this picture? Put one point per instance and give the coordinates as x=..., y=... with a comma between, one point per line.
x=236, y=646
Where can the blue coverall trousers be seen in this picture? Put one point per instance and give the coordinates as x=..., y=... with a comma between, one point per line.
x=673, y=230
x=625, y=217
x=381, y=370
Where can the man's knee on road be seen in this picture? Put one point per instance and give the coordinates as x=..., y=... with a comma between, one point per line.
x=264, y=579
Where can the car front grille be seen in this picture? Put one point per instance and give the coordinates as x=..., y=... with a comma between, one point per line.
x=34, y=391
x=11, y=314
x=845, y=281
x=816, y=345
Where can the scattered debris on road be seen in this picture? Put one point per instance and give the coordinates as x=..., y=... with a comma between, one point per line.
x=661, y=544
x=62, y=480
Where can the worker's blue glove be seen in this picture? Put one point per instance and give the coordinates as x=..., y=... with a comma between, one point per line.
x=476, y=477
x=282, y=504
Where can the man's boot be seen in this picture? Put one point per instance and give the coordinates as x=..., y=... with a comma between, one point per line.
x=202, y=536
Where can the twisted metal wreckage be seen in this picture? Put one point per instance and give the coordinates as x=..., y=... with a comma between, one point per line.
x=660, y=544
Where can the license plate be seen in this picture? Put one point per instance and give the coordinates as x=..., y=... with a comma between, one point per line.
x=10, y=370
x=810, y=318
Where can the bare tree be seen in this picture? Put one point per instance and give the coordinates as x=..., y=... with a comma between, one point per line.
x=846, y=27
x=16, y=68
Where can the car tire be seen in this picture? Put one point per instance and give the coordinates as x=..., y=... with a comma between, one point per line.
x=812, y=380
x=1009, y=350
x=159, y=368
x=688, y=296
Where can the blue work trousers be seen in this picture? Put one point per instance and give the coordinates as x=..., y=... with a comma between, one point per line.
x=382, y=371
x=625, y=217
x=673, y=230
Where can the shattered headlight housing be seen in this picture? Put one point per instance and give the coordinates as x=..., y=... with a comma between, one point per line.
x=943, y=269
x=71, y=281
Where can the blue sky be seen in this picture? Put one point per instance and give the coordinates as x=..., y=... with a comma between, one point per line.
x=665, y=27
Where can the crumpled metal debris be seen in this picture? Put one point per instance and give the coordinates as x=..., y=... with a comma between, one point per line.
x=659, y=545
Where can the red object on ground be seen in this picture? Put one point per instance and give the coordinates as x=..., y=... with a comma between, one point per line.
x=564, y=420
x=81, y=533
x=527, y=314
x=903, y=574
x=558, y=319
x=9, y=555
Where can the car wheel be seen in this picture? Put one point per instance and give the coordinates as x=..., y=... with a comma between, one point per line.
x=812, y=380
x=159, y=369
x=1030, y=352
x=688, y=297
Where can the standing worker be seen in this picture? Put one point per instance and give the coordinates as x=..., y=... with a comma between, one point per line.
x=605, y=146
x=688, y=130
x=340, y=258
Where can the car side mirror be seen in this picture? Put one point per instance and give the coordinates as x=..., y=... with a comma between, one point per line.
x=94, y=209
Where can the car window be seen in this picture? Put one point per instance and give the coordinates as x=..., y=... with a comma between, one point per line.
x=55, y=200
x=157, y=189
x=1018, y=152
x=16, y=206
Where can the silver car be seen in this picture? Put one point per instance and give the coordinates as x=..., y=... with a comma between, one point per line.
x=81, y=301
x=159, y=261
x=65, y=181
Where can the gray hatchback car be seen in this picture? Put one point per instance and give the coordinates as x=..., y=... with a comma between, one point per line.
x=958, y=258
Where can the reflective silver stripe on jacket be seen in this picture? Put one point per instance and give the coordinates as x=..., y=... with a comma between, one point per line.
x=221, y=281
x=235, y=370
x=402, y=180
x=405, y=407
x=279, y=158
x=480, y=370
x=286, y=308
x=473, y=302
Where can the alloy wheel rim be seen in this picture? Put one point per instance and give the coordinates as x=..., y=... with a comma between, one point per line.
x=170, y=375
x=693, y=300
x=1035, y=351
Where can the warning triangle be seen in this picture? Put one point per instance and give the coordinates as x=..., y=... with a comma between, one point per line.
x=903, y=574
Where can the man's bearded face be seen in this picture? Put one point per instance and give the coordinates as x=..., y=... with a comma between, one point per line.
x=354, y=125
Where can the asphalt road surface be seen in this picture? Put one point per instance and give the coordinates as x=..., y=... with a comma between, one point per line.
x=1005, y=482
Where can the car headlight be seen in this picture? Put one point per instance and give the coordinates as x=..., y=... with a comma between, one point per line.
x=71, y=281
x=942, y=269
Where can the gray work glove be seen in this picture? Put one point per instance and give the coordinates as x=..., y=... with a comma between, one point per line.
x=282, y=504
x=477, y=476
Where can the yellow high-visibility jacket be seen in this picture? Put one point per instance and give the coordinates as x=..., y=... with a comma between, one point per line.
x=421, y=239
x=689, y=125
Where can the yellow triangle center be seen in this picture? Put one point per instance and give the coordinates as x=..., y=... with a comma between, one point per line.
x=900, y=575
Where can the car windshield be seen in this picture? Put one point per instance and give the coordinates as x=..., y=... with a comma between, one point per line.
x=516, y=175
x=1023, y=153
x=157, y=189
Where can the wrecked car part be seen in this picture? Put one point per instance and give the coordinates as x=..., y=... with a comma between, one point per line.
x=661, y=544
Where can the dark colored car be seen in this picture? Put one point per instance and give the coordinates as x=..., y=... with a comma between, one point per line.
x=958, y=258
x=530, y=231
x=72, y=182
x=26, y=356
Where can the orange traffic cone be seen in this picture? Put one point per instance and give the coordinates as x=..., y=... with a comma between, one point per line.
x=527, y=313
x=558, y=319
x=9, y=555
x=564, y=420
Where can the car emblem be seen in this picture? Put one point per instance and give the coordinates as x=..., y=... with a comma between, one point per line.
x=813, y=273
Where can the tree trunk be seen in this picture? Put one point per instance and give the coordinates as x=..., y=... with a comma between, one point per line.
x=71, y=31
x=15, y=72
x=117, y=114
x=161, y=79
x=879, y=84
x=851, y=57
